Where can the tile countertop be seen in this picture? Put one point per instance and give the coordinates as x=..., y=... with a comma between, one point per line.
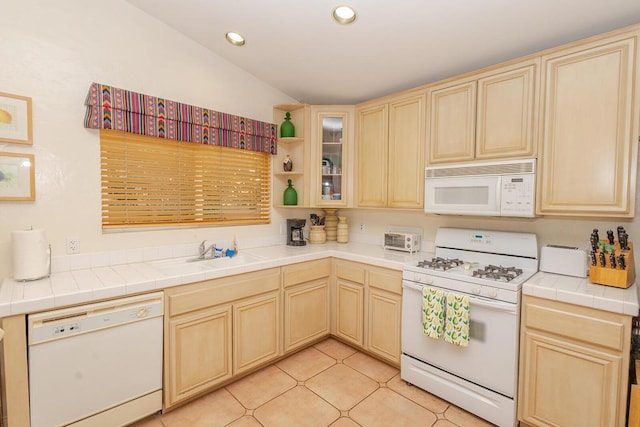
x=580, y=291
x=84, y=285
x=78, y=286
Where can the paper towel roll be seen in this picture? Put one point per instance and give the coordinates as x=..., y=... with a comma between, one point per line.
x=31, y=254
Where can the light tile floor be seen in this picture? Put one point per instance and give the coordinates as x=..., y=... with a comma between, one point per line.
x=328, y=384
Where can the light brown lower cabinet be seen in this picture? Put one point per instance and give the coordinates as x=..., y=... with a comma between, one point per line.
x=306, y=302
x=350, y=311
x=349, y=301
x=200, y=352
x=369, y=308
x=256, y=331
x=384, y=318
x=574, y=365
x=217, y=329
x=221, y=328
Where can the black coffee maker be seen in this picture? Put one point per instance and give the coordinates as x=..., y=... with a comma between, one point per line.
x=295, y=232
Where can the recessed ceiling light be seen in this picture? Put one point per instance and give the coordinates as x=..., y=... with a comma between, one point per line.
x=344, y=14
x=235, y=39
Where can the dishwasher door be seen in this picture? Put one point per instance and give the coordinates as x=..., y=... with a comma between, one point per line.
x=95, y=358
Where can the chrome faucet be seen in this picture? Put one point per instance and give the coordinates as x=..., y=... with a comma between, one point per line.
x=204, y=249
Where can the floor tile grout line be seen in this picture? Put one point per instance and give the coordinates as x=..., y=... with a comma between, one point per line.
x=340, y=342
x=264, y=403
x=340, y=410
x=343, y=413
x=314, y=375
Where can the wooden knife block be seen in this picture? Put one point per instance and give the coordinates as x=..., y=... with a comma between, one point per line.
x=614, y=276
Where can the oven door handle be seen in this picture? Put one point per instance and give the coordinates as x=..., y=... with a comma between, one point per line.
x=473, y=299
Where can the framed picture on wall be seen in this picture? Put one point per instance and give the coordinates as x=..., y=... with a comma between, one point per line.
x=15, y=119
x=17, y=177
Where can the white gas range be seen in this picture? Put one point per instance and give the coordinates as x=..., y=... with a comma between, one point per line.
x=489, y=267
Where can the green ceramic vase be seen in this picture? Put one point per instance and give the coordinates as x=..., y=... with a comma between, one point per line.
x=287, y=129
x=290, y=195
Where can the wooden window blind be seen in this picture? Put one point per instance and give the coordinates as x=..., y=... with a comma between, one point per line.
x=149, y=181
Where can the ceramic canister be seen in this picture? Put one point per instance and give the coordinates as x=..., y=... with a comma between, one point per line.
x=343, y=230
x=317, y=234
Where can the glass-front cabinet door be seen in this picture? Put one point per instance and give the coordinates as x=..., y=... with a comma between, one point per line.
x=332, y=141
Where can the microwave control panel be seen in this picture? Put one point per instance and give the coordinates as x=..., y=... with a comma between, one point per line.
x=518, y=195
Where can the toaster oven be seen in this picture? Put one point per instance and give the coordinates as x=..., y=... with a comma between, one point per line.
x=407, y=242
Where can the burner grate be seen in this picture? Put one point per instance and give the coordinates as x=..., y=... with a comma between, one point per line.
x=438, y=263
x=498, y=273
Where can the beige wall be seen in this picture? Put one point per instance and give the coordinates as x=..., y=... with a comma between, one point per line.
x=51, y=51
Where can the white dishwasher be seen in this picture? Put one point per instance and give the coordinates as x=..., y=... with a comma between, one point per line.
x=98, y=364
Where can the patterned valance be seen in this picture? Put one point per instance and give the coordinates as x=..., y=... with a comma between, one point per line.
x=123, y=110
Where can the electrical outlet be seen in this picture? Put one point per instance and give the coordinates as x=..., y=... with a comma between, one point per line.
x=362, y=228
x=73, y=245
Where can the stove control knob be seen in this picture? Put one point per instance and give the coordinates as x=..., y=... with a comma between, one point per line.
x=493, y=293
x=476, y=290
x=428, y=280
x=417, y=278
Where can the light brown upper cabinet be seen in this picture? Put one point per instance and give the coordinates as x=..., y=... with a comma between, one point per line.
x=589, y=130
x=390, y=152
x=490, y=115
x=332, y=139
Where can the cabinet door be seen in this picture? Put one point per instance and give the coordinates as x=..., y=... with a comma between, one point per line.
x=256, y=331
x=306, y=313
x=198, y=352
x=349, y=311
x=406, y=153
x=505, y=113
x=565, y=384
x=452, y=123
x=332, y=139
x=373, y=145
x=589, y=132
x=384, y=321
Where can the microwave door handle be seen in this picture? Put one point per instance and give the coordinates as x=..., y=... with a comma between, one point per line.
x=498, y=195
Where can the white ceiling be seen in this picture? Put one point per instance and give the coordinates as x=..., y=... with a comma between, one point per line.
x=295, y=46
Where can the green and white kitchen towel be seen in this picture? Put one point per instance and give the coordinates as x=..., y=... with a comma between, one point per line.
x=456, y=329
x=433, y=301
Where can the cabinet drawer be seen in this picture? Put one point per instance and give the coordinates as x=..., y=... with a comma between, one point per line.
x=590, y=326
x=213, y=292
x=388, y=280
x=351, y=271
x=305, y=272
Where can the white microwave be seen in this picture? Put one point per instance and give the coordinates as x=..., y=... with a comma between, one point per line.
x=502, y=188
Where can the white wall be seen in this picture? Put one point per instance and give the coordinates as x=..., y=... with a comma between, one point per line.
x=52, y=51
